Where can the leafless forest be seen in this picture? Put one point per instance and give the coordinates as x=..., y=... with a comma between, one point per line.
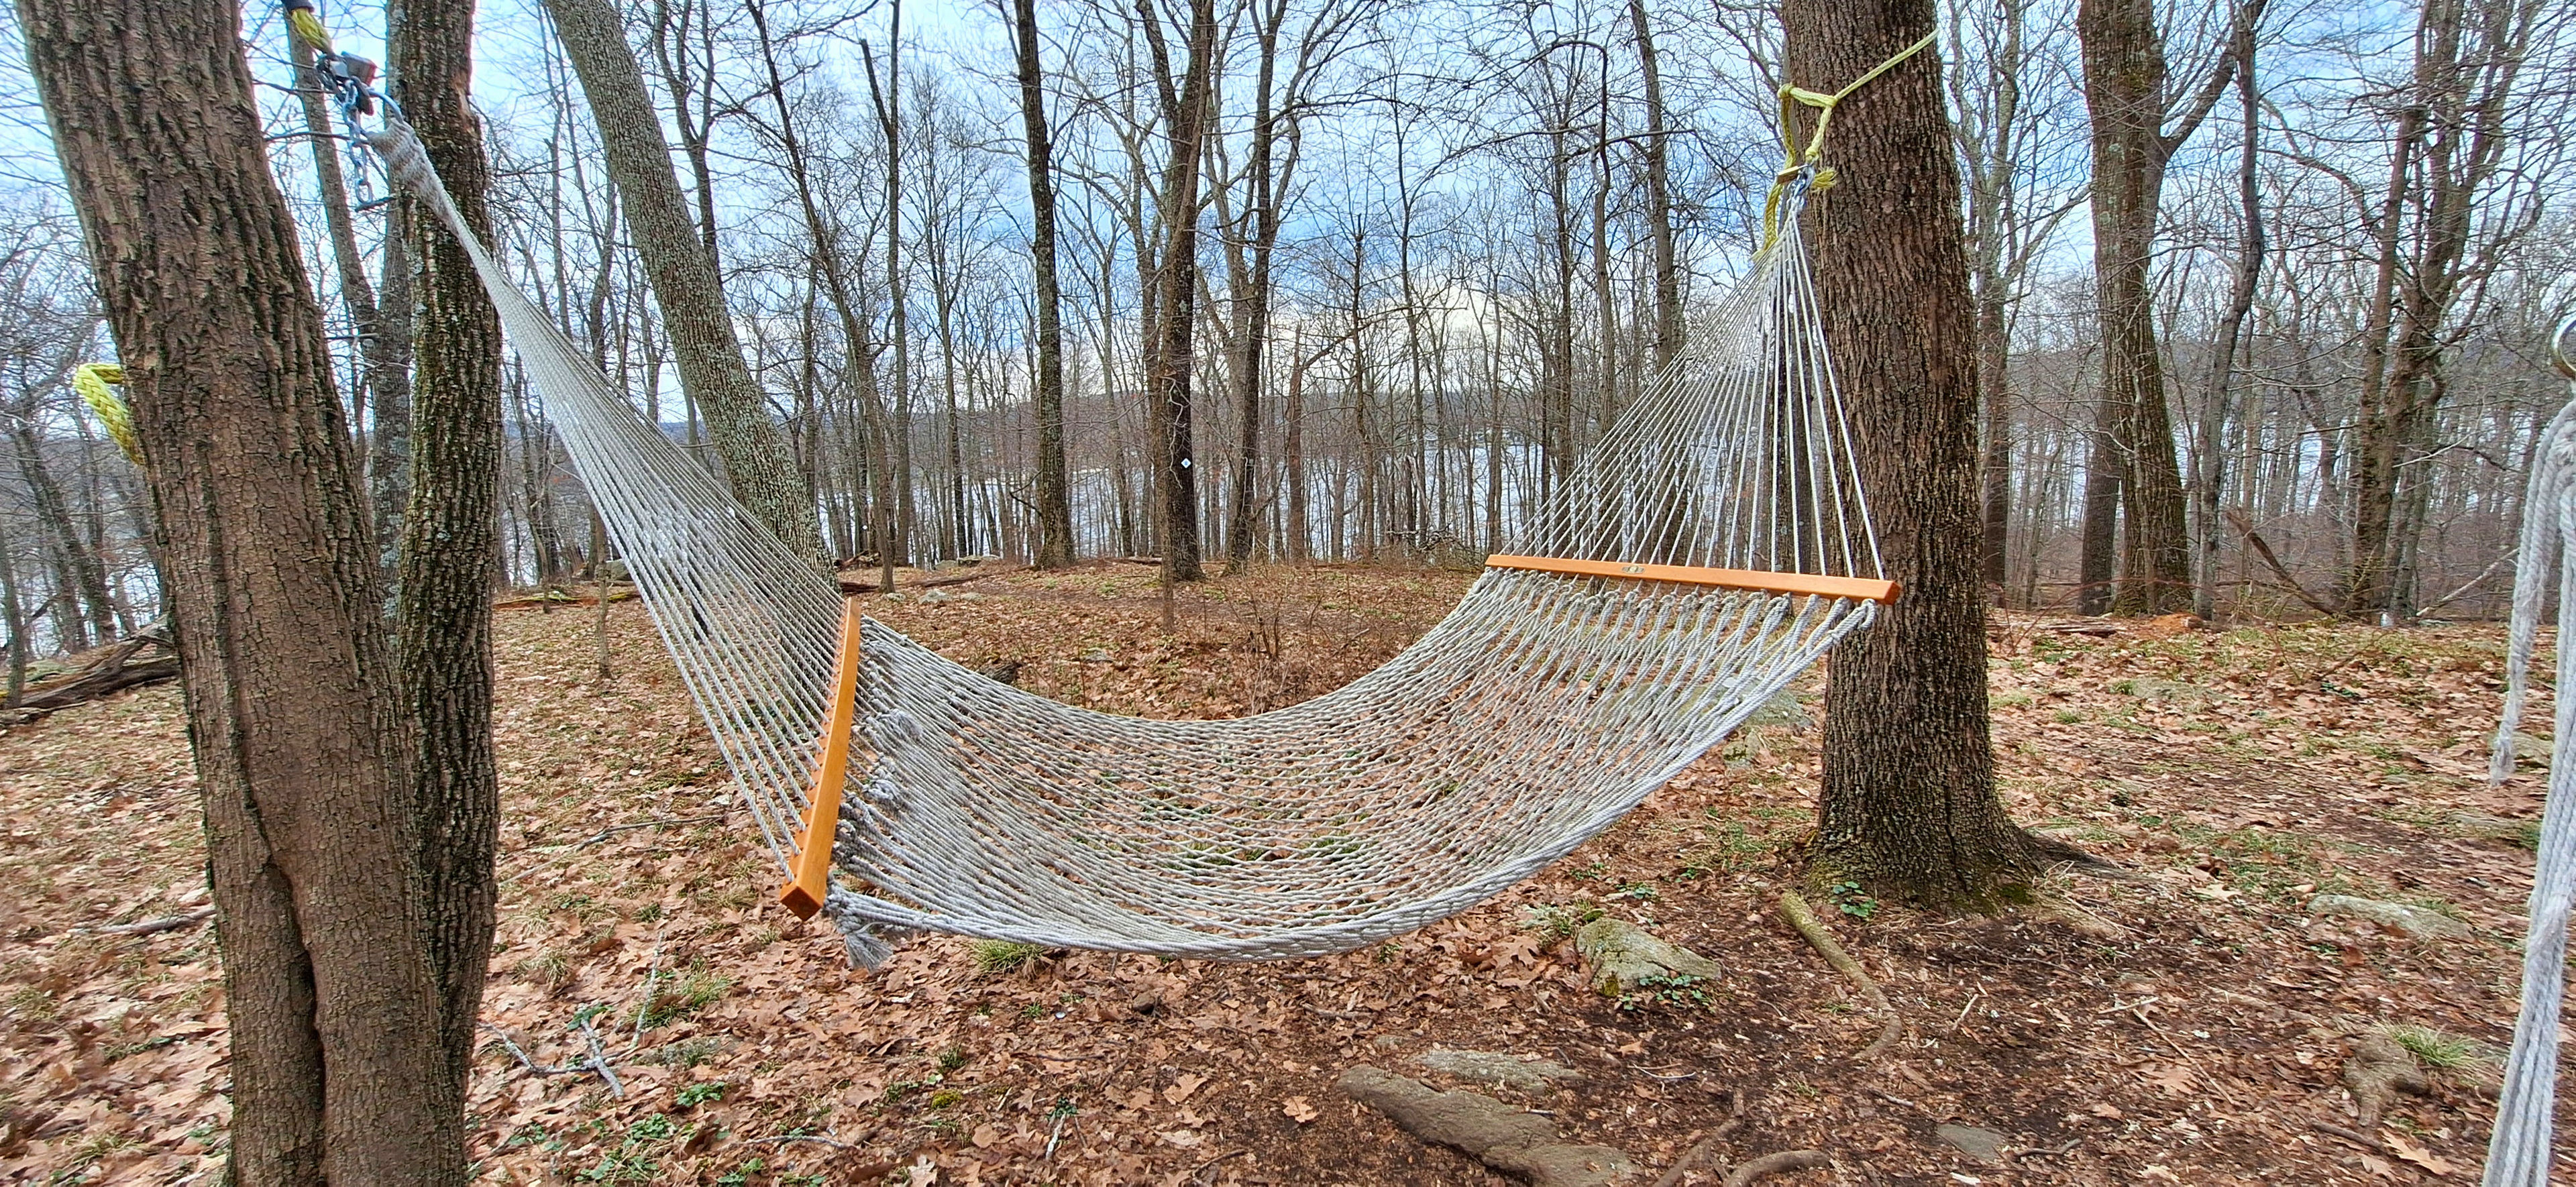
x=2262, y=310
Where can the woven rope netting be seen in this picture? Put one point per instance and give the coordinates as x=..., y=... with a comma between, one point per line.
x=1527, y=721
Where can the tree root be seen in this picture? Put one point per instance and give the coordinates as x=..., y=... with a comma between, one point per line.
x=1510, y=1140
x=1672, y=1175
x=1777, y=1164
x=2379, y=1069
x=1803, y=917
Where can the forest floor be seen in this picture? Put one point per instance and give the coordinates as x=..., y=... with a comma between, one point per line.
x=2191, y=1027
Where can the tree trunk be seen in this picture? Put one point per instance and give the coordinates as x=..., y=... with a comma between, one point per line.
x=302, y=757
x=1659, y=197
x=2209, y=478
x=385, y=362
x=683, y=272
x=2098, y=557
x=1055, y=499
x=2125, y=93
x=443, y=607
x=1171, y=364
x=1252, y=301
x=1909, y=804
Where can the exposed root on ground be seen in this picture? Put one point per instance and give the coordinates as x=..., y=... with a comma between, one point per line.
x=1513, y=1141
x=2379, y=1069
x=1777, y=1164
x=1672, y=1175
x=1803, y=917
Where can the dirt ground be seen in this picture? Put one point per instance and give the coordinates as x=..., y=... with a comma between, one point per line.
x=2190, y=1027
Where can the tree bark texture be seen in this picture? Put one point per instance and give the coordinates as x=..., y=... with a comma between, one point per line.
x=1909, y=803
x=683, y=274
x=1170, y=359
x=2124, y=90
x=448, y=560
x=290, y=687
x=1055, y=487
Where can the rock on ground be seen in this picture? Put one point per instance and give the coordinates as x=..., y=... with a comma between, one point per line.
x=1620, y=955
x=2414, y=921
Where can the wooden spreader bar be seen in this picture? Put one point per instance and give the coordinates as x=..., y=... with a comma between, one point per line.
x=812, y=874
x=1870, y=589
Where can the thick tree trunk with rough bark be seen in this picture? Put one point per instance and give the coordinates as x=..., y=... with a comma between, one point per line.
x=1909, y=804
x=301, y=753
x=447, y=563
x=2124, y=89
x=683, y=273
x=1055, y=498
x=2125, y=93
x=1170, y=358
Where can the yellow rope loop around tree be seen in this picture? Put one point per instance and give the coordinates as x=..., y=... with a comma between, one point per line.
x=1800, y=159
x=307, y=25
x=94, y=382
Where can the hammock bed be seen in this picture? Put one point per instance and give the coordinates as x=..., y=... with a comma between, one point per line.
x=1710, y=546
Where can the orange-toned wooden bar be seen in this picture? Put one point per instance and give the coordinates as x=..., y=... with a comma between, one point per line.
x=1865, y=588
x=804, y=891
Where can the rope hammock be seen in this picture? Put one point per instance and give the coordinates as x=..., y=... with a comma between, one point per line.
x=1711, y=545
x=2518, y=1152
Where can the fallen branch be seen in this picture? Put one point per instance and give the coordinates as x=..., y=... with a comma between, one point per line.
x=1803, y=917
x=150, y=926
x=551, y=599
x=981, y=572
x=599, y=1060
x=534, y=1067
x=112, y=670
x=2255, y=541
x=2356, y=1137
x=2097, y=629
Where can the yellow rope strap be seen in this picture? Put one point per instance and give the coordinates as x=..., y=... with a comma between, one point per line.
x=1800, y=158
x=92, y=381
x=307, y=25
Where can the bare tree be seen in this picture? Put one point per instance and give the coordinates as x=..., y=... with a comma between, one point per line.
x=683, y=271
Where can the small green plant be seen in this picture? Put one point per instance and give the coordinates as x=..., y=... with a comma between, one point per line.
x=995, y=957
x=686, y=1053
x=740, y=1176
x=946, y=1098
x=633, y=1160
x=685, y=994
x=1643, y=892
x=648, y=913
x=693, y=1095
x=1033, y=1010
x=549, y=968
x=953, y=1058
x=2439, y=1050
x=1681, y=991
x=1849, y=898
x=1561, y=919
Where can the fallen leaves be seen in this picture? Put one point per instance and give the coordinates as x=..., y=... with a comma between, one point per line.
x=1299, y=1110
x=1182, y=1088
x=2433, y=1164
